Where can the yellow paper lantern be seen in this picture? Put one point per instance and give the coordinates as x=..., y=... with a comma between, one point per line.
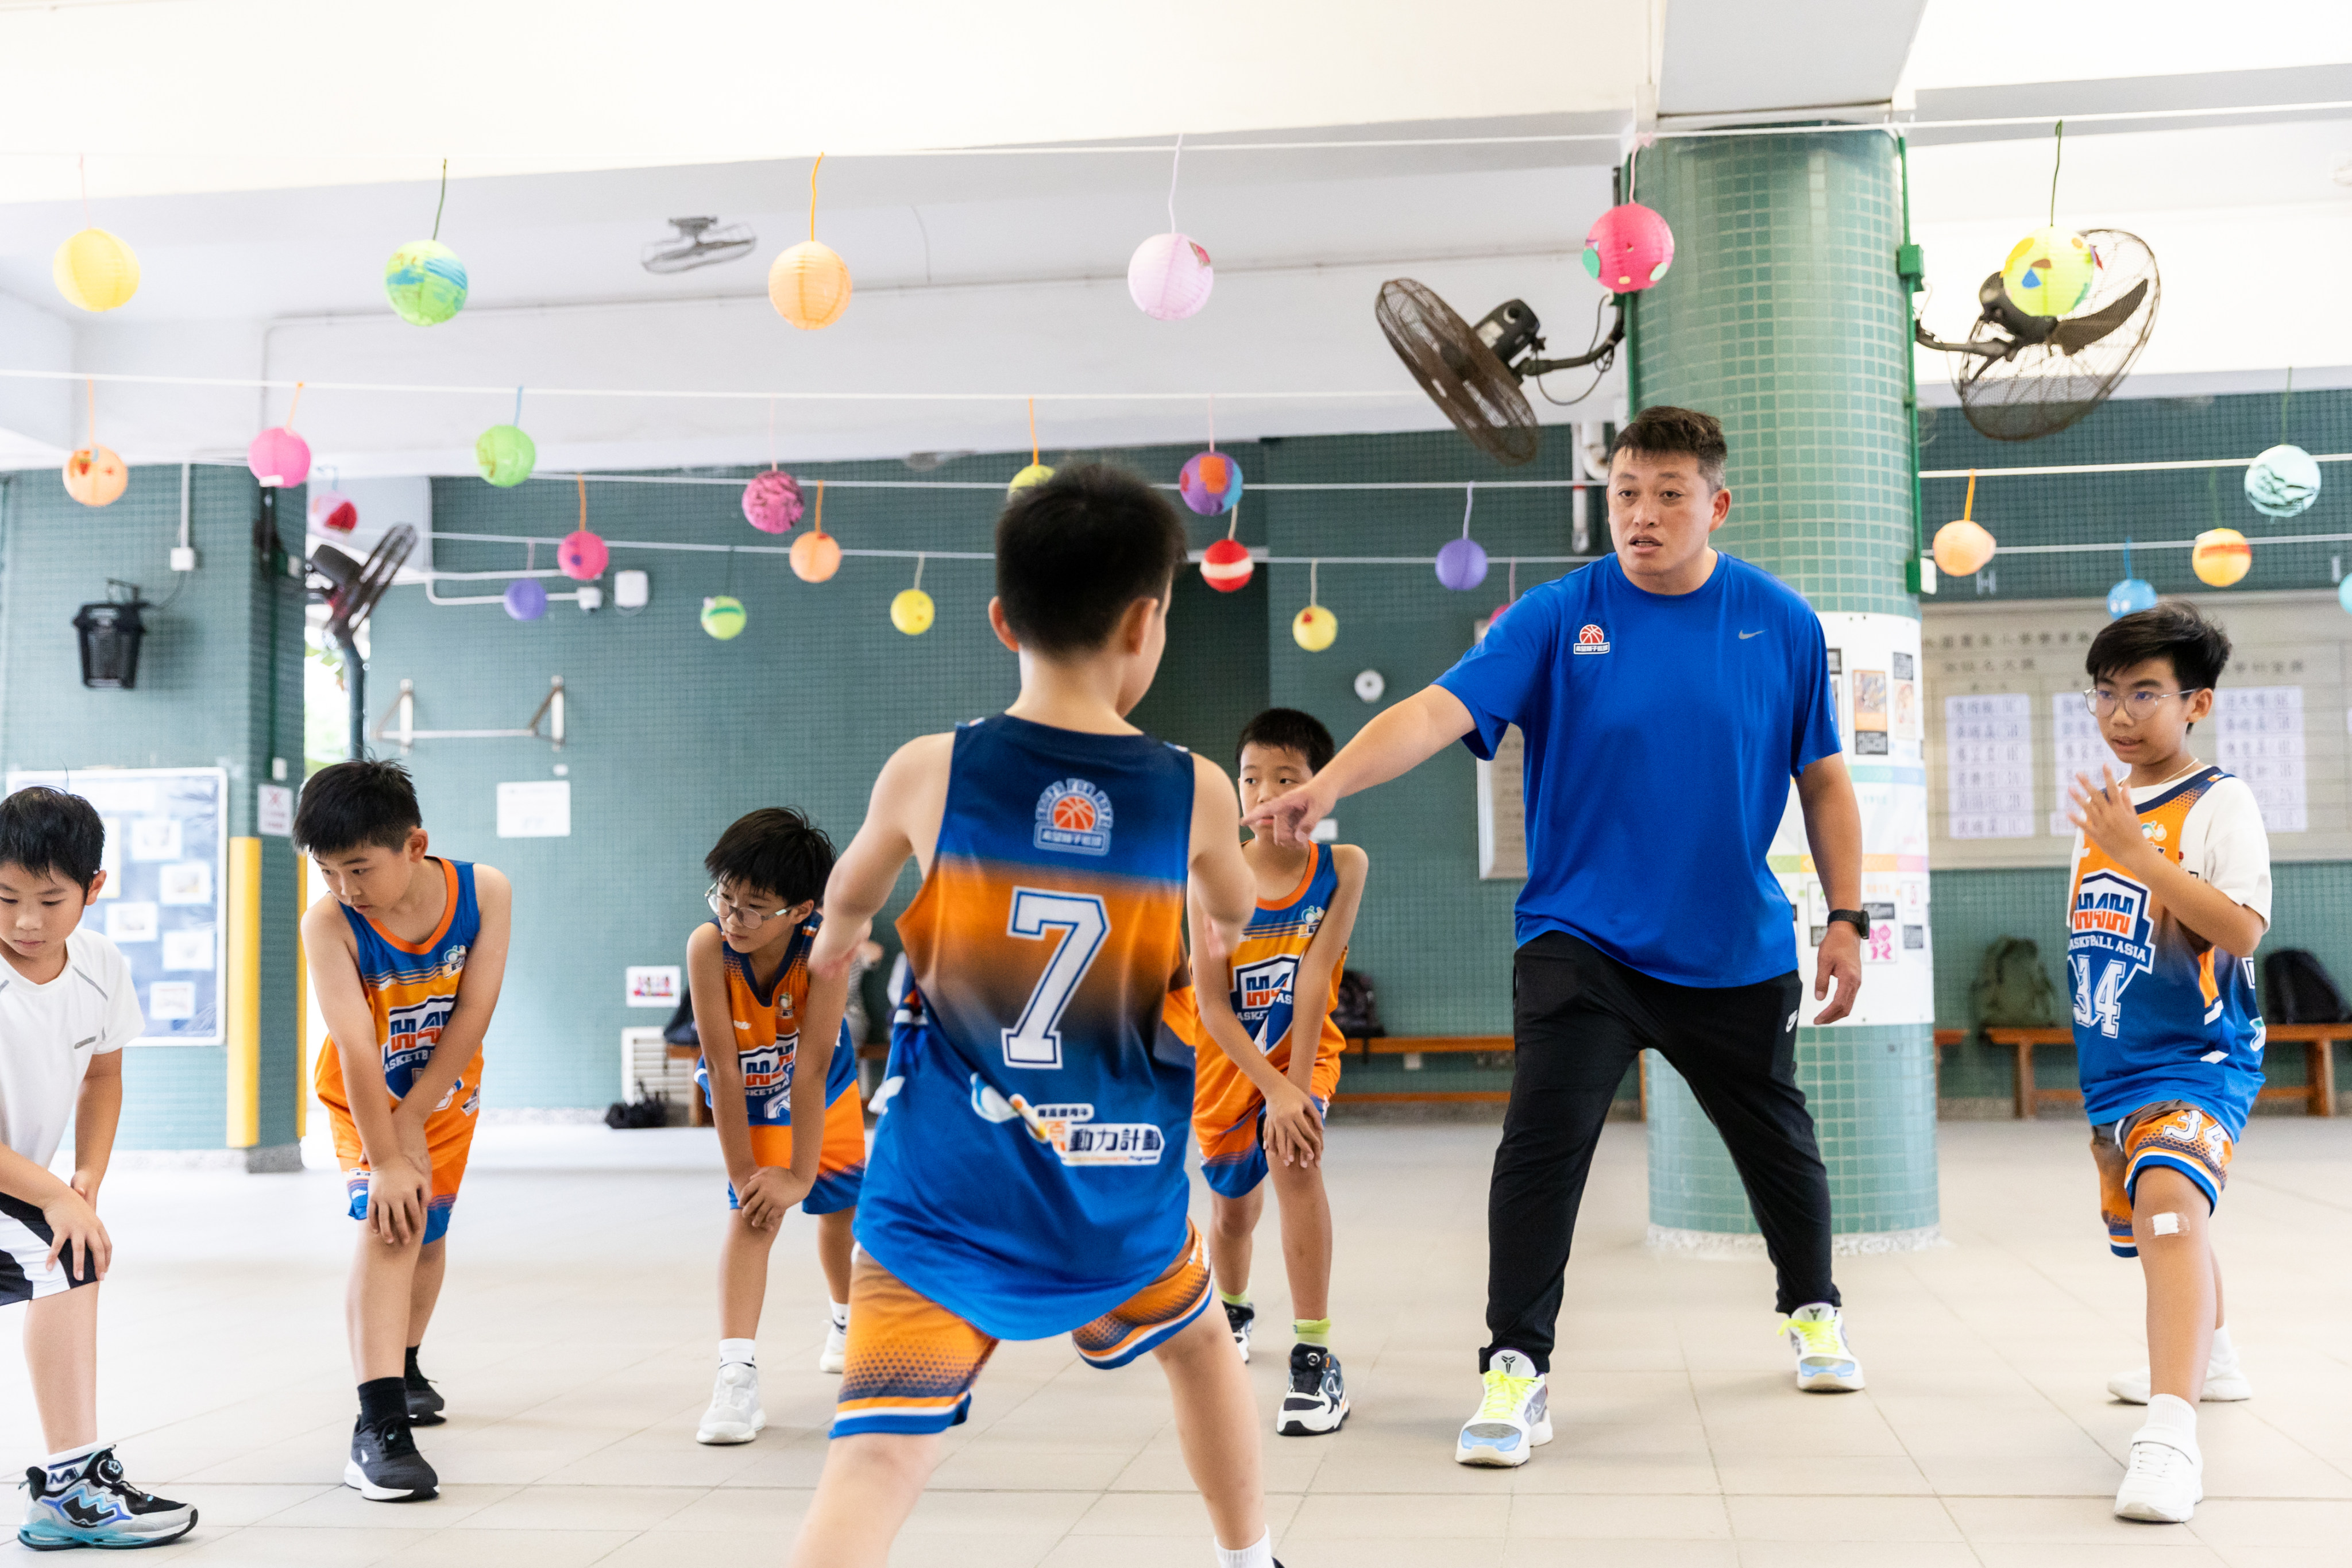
x=1028, y=478
x=96, y=476
x=96, y=270
x=2221, y=556
x=912, y=612
x=809, y=285
x=1314, y=628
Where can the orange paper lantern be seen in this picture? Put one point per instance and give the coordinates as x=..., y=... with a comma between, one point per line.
x=96, y=476
x=2220, y=556
x=1962, y=545
x=809, y=284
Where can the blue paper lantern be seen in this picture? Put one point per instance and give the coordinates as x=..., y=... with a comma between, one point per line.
x=2344, y=594
x=2130, y=597
x=526, y=600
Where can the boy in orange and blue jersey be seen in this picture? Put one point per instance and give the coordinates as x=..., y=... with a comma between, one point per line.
x=1027, y=1177
x=2169, y=897
x=1264, y=1083
x=780, y=1074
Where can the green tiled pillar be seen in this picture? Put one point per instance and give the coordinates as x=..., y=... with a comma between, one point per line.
x=1783, y=317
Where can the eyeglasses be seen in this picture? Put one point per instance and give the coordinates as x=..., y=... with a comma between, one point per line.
x=750, y=920
x=2142, y=704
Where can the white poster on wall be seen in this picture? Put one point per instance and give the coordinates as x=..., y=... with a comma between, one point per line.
x=653, y=984
x=2261, y=740
x=538, y=809
x=1877, y=657
x=1988, y=765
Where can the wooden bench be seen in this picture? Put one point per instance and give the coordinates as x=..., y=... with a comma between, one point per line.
x=1425, y=1046
x=2318, y=1094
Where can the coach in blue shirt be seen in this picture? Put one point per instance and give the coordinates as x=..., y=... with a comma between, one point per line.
x=1668, y=694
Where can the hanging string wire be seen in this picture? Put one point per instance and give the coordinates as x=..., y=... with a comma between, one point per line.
x=812, y=169
x=2057, y=158
x=918, y=572
x=1174, y=165
x=81, y=165
x=726, y=583
x=1033, y=432
x=1969, y=507
x=818, y=525
x=1213, y=422
x=1233, y=523
x=1469, y=500
x=444, y=201
x=1511, y=590
x=517, y=413
x=291, y=406
x=772, y=435
x=2284, y=401
x=583, y=498
x=92, y=387
x=1314, y=584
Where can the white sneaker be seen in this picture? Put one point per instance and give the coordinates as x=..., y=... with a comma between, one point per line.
x=1825, y=1363
x=1513, y=1417
x=834, y=1357
x=2221, y=1387
x=2164, y=1480
x=734, y=1416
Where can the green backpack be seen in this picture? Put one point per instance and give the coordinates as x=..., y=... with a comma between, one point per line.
x=2012, y=991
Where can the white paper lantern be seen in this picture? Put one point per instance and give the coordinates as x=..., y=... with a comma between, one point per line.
x=1170, y=277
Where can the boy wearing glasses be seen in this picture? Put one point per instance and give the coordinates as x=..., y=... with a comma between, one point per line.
x=790, y=1065
x=2170, y=896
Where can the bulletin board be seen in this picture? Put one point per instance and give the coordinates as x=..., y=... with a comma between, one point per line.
x=166, y=899
x=2005, y=722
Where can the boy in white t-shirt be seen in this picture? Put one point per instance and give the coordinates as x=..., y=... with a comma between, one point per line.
x=67, y=1009
x=2170, y=896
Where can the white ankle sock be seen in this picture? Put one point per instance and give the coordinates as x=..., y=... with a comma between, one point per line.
x=2172, y=1413
x=738, y=1352
x=1260, y=1555
x=2225, y=1354
x=71, y=1454
x=840, y=1314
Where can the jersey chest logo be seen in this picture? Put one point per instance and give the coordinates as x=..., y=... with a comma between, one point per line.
x=1592, y=639
x=1074, y=817
x=2108, y=941
x=1259, y=987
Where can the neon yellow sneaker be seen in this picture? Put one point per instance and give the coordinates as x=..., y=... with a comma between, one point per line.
x=1513, y=1417
x=1825, y=1363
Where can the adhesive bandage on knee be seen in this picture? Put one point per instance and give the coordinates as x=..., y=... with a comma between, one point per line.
x=2164, y=1225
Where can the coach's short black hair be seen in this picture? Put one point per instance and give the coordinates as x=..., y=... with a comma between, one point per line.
x=356, y=806
x=46, y=830
x=2175, y=629
x=773, y=850
x=1291, y=731
x=1662, y=431
x=1074, y=553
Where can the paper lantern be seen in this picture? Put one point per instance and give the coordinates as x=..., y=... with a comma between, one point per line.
x=1210, y=483
x=771, y=501
x=722, y=616
x=279, y=457
x=1226, y=565
x=505, y=455
x=95, y=269
x=581, y=556
x=1628, y=249
x=809, y=285
x=425, y=283
x=2049, y=271
x=1314, y=628
x=913, y=611
x=332, y=511
x=815, y=557
x=2130, y=597
x=2344, y=594
x=2220, y=556
x=526, y=600
x=1033, y=475
x=1462, y=564
x=1169, y=276
x=95, y=476
x=1962, y=546
x=2283, y=481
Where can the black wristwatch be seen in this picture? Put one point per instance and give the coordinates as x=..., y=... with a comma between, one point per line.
x=1853, y=918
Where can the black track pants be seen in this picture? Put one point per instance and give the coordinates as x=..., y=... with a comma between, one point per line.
x=1579, y=1017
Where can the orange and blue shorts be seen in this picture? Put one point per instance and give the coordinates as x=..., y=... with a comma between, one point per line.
x=840, y=1161
x=912, y=1362
x=448, y=1137
x=2169, y=1133
x=1228, y=1112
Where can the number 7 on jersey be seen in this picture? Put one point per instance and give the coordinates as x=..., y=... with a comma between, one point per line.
x=1036, y=1041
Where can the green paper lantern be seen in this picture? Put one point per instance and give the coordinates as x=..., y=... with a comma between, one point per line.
x=505, y=455
x=425, y=282
x=722, y=615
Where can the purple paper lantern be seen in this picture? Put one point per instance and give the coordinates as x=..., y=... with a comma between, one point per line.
x=771, y=501
x=1210, y=483
x=582, y=555
x=279, y=457
x=526, y=600
x=1462, y=564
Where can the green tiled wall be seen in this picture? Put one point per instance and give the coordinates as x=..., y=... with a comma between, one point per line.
x=1783, y=317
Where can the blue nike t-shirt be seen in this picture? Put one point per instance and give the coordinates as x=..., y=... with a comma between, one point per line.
x=1662, y=733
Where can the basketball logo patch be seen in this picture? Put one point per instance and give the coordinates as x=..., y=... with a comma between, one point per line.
x=1074, y=817
x=1592, y=639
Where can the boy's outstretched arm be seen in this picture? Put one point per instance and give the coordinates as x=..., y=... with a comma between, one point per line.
x=400, y=1182
x=1318, y=968
x=902, y=818
x=477, y=998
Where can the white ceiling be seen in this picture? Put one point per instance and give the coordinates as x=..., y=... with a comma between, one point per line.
x=263, y=198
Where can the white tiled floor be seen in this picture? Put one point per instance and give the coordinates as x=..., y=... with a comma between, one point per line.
x=574, y=1345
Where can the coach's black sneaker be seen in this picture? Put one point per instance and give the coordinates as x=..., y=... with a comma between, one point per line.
x=83, y=1500
x=1317, y=1400
x=386, y=1466
x=424, y=1403
x=1239, y=1318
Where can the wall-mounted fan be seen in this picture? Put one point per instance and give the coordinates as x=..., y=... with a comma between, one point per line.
x=1473, y=372
x=698, y=242
x=2022, y=377
x=349, y=590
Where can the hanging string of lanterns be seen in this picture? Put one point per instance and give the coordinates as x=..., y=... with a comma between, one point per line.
x=809, y=283
x=94, y=474
x=423, y=279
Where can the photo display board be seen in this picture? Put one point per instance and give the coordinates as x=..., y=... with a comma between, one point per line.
x=2004, y=684
x=166, y=899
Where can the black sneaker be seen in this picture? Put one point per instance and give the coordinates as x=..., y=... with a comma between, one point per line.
x=1317, y=1400
x=86, y=1503
x=1239, y=1318
x=386, y=1466
x=425, y=1401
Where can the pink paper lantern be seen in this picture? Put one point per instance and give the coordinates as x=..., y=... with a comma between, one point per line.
x=581, y=556
x=279, y=457
x=333, y=511
x=1170, y=277
x=1628, y=249
x=771, y=501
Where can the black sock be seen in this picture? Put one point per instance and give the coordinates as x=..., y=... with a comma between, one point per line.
x=383, y=1399
x=411, y=1373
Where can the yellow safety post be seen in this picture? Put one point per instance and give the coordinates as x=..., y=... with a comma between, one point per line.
x=244, y=1010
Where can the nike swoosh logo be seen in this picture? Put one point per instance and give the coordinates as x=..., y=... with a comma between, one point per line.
x=1745, y=635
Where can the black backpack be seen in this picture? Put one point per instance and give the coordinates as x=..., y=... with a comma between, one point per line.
x=2297, y=989
x=645, y=1110
x=2012, y=991
x=1357, y=1011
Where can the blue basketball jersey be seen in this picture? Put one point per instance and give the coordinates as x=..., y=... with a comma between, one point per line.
x=412, y=987
x=1028, y=1168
